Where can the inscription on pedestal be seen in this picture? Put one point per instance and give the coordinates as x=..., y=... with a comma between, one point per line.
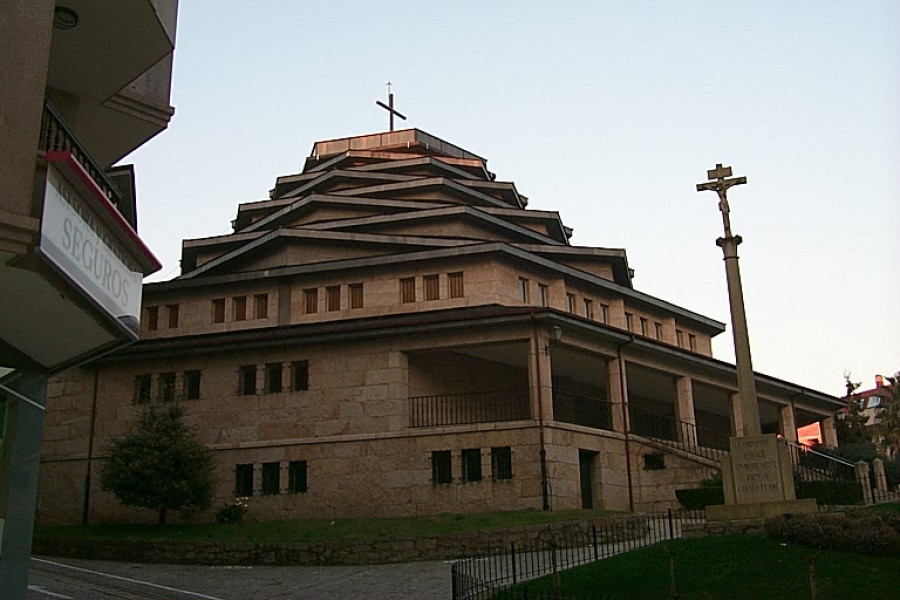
x=757, y=469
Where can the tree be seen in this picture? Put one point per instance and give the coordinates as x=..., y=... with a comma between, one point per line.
x=888, y=419
x=850, y=424
x=161, y=464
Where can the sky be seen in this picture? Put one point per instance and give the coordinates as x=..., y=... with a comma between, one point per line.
x=609, y=112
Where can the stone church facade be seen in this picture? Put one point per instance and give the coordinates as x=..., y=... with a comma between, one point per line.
x=392, y=333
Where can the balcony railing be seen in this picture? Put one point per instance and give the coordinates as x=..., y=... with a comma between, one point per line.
x=56, y=136
x=669, y=431
x=469, y=408
x=812, y=465
x=582, y=410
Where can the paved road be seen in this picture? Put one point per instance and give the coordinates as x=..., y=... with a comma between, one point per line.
x=64, y=579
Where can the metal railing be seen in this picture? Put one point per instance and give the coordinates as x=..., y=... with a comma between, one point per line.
x=468, y=408
x=56, y=136
x=557, y=548
x=582, y=410
x=669, y=431
x=811, y=465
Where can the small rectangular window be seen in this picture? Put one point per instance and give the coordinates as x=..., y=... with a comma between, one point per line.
x=657, y=330
x=570, y=303
x=455, y=282
x=173, y=315
x=247, y=380
x=588, y=308
x=692, y=342
x=191, y=385
x=501, y=463
x=356, y=295
x=167, y=387
x=441, y=467
x=333, y=298
x=543, y=295
x=679, y=338
x=471, y=465
x=142, y=389
x=523, y=290
x=432, y=287
x=629, y=321
x=408, y=289
x=311, y=300
x=604, y=313
x=297, y=477
x=643, y=326
x=300, y=375
x=243, y=481
x=271, y=478
x=239, y=306
x=152, y=318
x=262, y=306
x=218, y=310
x=273, y=378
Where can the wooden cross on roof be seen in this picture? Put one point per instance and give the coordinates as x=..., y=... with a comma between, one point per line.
x=390, y=106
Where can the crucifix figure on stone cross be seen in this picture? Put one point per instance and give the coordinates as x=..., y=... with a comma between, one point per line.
x=720, y=186
x=390, y=106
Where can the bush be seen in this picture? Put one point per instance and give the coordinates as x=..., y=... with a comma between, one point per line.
x=232, y=513
x=864, y=532
x=830, y=492
x=700, y=498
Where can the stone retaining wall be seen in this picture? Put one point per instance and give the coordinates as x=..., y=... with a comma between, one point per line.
x=331, y=552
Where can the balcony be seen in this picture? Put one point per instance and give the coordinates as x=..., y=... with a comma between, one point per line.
x=469, y=408
x=582, y=410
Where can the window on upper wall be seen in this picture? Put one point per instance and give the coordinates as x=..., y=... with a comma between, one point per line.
x=679, y=338
x=262, y=306
x=243, y=481
x=191, y=385
x=142, y=389
x=173, y=315
x=333, y=298
x=455, y=283
x=629, y=321
x=218, y=310
x=271, y=478
x=471, y=465
x=643, y=326
x=239, y=308
x=152, y=318
x=692, y=342
x=657, y=330
x=311, y=300
x=588, y=308
x=524, y=296
x=543, y=294
x=297, y=477
x=356, y=295
x=167, y=387
x=501, y=463
x=408, y=289
x=604, y=313
x=273, y=378
x=247, y=380
x=300, y=375
x=441, y=467
x=432, y=287
x=570, y=303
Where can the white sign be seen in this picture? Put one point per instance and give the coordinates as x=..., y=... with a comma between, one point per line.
x=84, y=248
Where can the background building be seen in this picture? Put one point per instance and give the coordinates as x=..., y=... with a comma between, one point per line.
x=393, y=332
x=82, y=84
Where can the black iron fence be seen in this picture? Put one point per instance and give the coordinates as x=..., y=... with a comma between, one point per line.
x=582, y=410
x=558, y=548
x=468, y=408
x=56, y=136
x=671, y=432
x=811, y=465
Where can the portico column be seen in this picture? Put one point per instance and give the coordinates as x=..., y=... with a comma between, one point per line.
x=617, y=381
x=737, y=416
x=540, y=377
x=686, y=432
x=786, y=423
x=829, y=433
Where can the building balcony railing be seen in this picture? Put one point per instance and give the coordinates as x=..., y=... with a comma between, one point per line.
x=56, y=136
x=469, y=408
x=582, y=410
x=666, y=430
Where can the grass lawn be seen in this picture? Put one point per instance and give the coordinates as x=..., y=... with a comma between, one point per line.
x=733, y=567
x=318, y=530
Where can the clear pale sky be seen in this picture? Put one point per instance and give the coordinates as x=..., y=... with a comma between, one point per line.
x=608, y=112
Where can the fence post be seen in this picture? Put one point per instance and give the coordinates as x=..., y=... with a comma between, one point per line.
x=512, y=554
x=594, y=535
x=880, y=479
x=671, y=526
x=862, y=476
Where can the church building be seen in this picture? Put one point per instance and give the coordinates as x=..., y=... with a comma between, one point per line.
x=394, y=333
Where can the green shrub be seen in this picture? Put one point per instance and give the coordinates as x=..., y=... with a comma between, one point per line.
x=863, y=532
x=830, y=492
x=232, y=513
x=700, y=498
